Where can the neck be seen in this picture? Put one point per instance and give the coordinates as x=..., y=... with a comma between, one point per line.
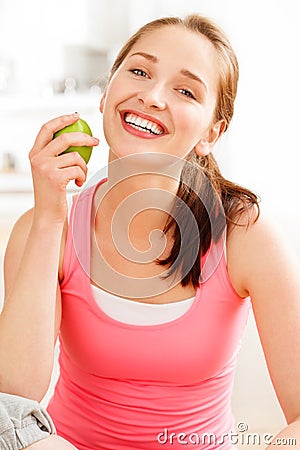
x=142, y=187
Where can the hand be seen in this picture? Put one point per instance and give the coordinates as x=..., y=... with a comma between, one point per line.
x=51, y=171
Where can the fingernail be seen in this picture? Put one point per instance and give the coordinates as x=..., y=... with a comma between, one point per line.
x=95, y=140
x=75, y=115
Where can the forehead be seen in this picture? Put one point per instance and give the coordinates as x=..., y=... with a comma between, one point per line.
x=176, y=48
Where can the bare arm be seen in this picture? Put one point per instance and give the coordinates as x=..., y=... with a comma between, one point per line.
x=30, y=319
x=269, y=271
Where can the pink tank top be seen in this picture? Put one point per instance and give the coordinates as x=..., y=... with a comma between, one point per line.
x=145, y=387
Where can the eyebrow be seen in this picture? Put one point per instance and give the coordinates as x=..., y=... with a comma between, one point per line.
x=194, y=77
x=183, y=72
x=146, y=55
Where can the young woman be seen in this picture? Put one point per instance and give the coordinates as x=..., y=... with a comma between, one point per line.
x=153, y=273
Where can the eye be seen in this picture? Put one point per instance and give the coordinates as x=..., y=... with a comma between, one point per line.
x=186, y=93
x=139, y=72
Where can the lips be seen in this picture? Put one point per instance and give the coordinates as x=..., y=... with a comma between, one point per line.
x=142, y=125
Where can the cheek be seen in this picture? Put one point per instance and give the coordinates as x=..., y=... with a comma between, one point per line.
x=118, y=89
x=190, y=123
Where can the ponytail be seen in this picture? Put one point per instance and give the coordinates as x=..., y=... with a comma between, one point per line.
x=215, y=202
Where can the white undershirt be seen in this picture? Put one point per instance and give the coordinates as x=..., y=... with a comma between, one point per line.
x=139, y=313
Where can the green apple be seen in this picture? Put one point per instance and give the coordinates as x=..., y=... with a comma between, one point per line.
x=81, y=126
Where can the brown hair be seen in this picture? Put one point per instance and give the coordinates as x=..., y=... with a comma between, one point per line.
x=201, y=179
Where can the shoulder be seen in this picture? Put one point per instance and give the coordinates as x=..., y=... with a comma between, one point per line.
x=20, y=231
x=256, y=249
x=15, y=247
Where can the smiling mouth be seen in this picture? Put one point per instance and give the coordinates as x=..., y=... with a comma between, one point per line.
x=143, y=124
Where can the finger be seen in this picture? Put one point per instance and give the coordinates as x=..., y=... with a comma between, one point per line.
x=47, y=131
x=71, y=159
x=66, y=140
x=73, y=173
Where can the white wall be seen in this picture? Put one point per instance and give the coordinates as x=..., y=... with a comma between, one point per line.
x=33, y=34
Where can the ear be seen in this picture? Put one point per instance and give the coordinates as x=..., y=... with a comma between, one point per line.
x=102, y=101
x=209, y=139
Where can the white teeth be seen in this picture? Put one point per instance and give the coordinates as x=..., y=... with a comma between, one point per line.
x=142, y=124
x=139, y=128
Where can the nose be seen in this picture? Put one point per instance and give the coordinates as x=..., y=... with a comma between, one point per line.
x=153, y=97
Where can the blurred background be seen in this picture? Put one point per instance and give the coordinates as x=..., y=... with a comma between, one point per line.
x=54, y=59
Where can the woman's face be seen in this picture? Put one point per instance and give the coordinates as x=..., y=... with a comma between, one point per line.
x=163, y=96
